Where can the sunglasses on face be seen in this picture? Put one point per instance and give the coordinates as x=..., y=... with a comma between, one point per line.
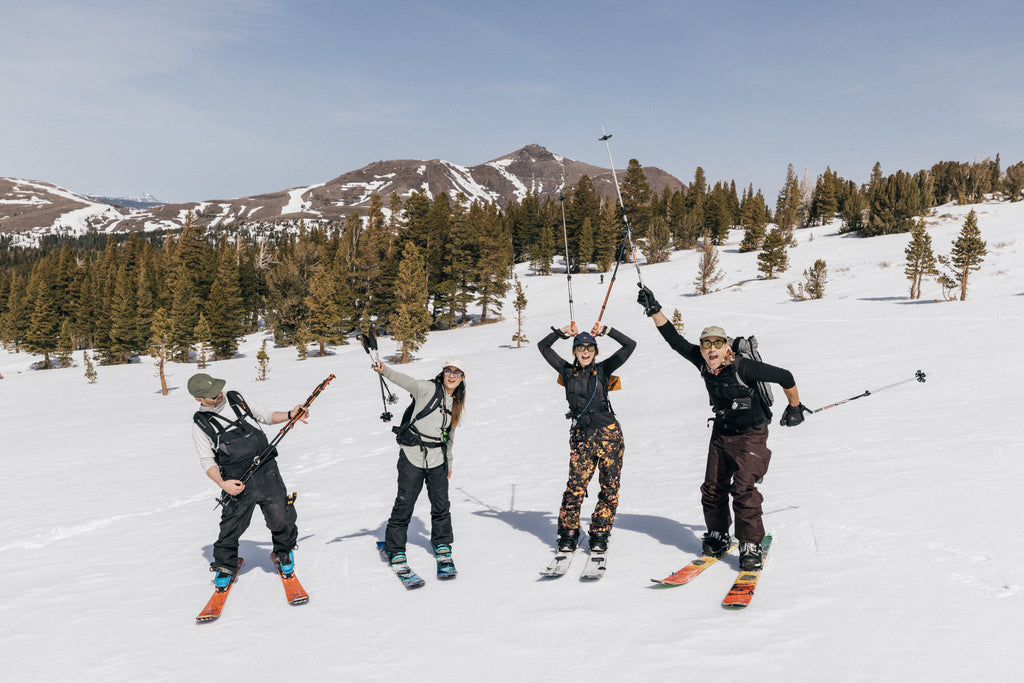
x=708, y=343
x=589, y=348
x=453, y=372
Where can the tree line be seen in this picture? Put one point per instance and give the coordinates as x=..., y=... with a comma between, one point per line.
x=417, y=263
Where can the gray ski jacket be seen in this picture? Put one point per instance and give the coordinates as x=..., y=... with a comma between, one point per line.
x=430, y=425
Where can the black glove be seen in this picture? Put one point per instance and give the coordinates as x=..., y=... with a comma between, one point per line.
x=646, y=299
x=794, y=415
x=557, y=331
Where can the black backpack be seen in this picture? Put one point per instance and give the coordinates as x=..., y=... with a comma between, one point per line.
x=746, y=347
x=406, y=434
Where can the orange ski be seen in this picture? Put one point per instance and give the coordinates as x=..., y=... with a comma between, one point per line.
x=220, y=596
x=742, y=592
x=692, y=570
x=293, y=590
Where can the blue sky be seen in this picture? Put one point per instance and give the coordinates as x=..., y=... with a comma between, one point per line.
x=194, y=100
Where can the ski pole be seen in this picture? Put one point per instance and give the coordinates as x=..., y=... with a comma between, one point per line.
x=369, y=341
x=625, y=219
x=615, y=271
x=919, y=376
x=270, y=449
x=568, y=271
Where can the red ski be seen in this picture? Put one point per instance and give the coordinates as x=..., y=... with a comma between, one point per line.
x=692, y=570
x=220, y=596
x=293, y=590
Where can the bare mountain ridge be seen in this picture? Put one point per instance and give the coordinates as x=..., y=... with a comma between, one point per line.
x=31, y=208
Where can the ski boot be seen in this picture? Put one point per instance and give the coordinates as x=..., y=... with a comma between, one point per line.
x=599, y=541
x=286, y=561
x=568, y=540
x=222, y=579
x=716, y=543
x=751, y=556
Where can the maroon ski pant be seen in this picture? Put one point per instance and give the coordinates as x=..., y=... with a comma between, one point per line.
x=736, y=464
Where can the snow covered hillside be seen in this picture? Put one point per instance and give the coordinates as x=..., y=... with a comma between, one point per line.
x=895, y=557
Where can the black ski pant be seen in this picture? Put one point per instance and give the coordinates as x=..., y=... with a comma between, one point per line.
x=410, y=482
x=266, y=489
x=736, y=465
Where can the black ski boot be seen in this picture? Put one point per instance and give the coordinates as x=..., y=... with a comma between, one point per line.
x=716, y=543
x=751, y=556
x=568, y=540
x=599, y=541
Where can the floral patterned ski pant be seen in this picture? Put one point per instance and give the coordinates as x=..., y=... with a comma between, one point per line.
x=589, y=451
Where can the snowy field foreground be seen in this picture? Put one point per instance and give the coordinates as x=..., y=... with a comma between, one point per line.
x=895, y=517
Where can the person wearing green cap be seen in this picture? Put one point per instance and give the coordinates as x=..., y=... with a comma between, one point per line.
x=738, y=454
x=227, y=442
x=595, y=437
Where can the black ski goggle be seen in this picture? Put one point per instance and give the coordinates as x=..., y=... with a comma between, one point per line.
x=588, y=348
x=708, y=343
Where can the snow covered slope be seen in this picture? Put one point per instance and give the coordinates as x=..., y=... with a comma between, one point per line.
x=895, y=517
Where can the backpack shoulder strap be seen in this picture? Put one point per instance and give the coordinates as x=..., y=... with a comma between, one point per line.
x=207, y=420
x=432, y=404
x=238, y=404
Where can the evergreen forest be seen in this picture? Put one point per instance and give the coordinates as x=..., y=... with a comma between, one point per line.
x=414, y=264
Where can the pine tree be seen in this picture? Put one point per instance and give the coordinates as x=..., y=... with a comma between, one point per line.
x=490, y=277
x=636, y=198
x=224, y=308
x=288, y=285
x=411, y=322
x=853, y=210
x=656, y=246
x=301, y=338
x=774, y=258
x=677, y=220
x=66, y=343
x=754, y=219
x=262, y=362
x=543, y=253
x=967, y=256
x=815, y=279
x=787, y=206
x=144, y=305
x=184, y=313
x=586, y=245
x=608, y=237
x=43, y=331
x=326, y=317
x=718, y=214
x=519, y=304
x=1013, y=182
x=583, y=207
x=90, y=369
x=471, y=227
x=677, y=320
x=202, y=339
x=825, y=202
x=708, y=273
x=161, y=336
x=920, y=258
x=19, y=311
x=123, y=333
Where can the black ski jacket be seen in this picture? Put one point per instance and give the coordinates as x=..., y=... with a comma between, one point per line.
x=733, y=396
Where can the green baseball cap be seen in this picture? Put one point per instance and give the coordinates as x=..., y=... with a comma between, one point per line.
x=202, y=385
x=714, y=331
